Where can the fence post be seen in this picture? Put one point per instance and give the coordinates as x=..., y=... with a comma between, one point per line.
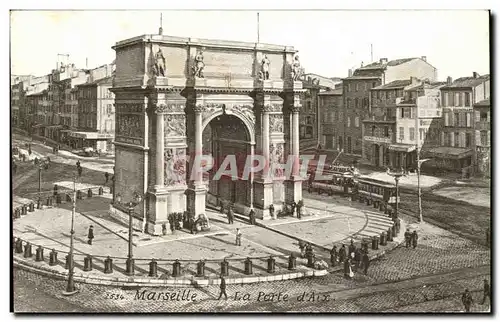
x=248, y=266
x=53, y=258
x=87, y=263
x=39, y=254
x=153, y=268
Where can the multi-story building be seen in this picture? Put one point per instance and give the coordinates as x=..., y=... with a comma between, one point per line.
x=482, y=142
x=331, y=111
x=457, y=138
x=96, y=112
x=356, y=94
x=404, y=114
x=36, y=101
x=18, y=86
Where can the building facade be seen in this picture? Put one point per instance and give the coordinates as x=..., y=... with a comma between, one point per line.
x=482, y=140
x=330, y=119
x=96, y=116
x=356, y=93
x=404, y=115
x=457, y=137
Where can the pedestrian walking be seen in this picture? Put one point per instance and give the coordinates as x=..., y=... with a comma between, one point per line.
x=342, y=254
x=352, y=249
x=29, y=149
x=467, y=300
x=230, y=215
x=78, y=163
x=192, y=224
x=252, y=217
x=80, y=170
x=414, y=238
x=357, y=258
x=302, y=247
x=348, y=273
x=271, y=210
x=293, y=206
x=366, y=263
x=408, y=237
x=106, y=176
x=222, y=287
x=300, y=205
x=90, y=235
x=486, y=292
x=333, y=255
x=238, y=237
x=222, y=208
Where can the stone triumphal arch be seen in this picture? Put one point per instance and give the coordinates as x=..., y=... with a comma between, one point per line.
x=177, y=98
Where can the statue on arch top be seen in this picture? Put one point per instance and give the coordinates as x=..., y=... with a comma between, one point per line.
x=296, y=68
x=199, y=65
x=160, y=64
x=264, y=73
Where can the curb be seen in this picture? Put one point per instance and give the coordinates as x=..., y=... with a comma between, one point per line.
x=87, y=278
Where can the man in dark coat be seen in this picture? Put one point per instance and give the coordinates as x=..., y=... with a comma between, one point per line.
x=414, y=238
x=352, y=249
x=486, y=292
x=357, y=258
x=366, y=263
x=333, y=255
x=467, y=300
x=222, y=287
x=192, y=225
x=271, y=210
x=342, y=254
x=407, y=237
x=90, y=235
x=106, y=176
x=251, y=215
x=230, y=215
x=293, y=206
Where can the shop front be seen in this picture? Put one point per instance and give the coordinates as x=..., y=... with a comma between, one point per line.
x=95, y=141
x=403, y=156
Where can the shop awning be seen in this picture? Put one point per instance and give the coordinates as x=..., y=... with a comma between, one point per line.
x=92, y=135
x=400, y=147
x=447, y=152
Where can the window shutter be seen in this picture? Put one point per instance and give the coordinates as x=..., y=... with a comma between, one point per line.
x=462, y=140
x=446, y=118
x=478, y=116
x=452, y=139
x=478, y=137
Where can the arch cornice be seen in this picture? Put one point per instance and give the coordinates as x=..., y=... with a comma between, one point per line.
x=243, y=112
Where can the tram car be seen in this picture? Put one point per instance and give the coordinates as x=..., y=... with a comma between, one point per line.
x=331, y=182
x=379, y=193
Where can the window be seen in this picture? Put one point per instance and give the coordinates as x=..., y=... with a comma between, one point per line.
x=333, y=116
x=356, y=101
x=348, y=121
x=460, y=99
x=467, y=99
x=468, y=140
x=366, y=102
x=356, y=87
x=374, y=84
x=483, y=116
x=378, y=94
x=373, y=130
x=457, y=99
x=446, y=119
x=348, y=102
x=468, y=120
x=456, y=119
x=457, y=139
x=401, y=133
x=356, y=121
x=412, y=134
x=386, y=131
x=484, y=138
x=406, y=112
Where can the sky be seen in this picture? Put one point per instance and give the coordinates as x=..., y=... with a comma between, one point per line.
x=329, y=42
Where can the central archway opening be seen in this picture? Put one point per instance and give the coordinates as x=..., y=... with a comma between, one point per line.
x=226, y=137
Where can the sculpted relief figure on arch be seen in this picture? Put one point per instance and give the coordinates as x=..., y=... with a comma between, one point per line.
x=159, y=68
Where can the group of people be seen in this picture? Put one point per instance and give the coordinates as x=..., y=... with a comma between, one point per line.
x=306, y=249
x=350, y=257
x=411, y=238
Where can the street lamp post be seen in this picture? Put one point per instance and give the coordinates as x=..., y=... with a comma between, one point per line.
x=396, y=176
x=70, y=287
x=137, y=198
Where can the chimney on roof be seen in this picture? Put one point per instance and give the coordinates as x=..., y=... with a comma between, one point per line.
x=349, y=72
x=475, y=74
x=383, y=60
x=361, y=64
x=424, y=58
x=449, y=80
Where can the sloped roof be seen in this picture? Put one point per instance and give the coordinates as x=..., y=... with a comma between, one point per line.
x=394, y=62
x=485, y=102
x=400, y=83
x=468, y=82
x=332, y=92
